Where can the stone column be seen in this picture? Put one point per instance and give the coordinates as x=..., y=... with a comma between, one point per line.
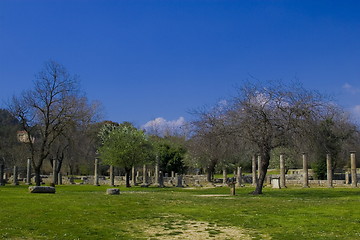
x=133, y=176
x=172, y=174
x=239, y=177
x=179, y=181
x=259, y=165
x=347, y=178
x=329, y=171
x=2, y=182
x=305, y=171
x=15, y=176
x=144, y=175
x=112, y=177
x=54, y=172
x=161, y=179
x=254, y=177
x=353, y=170
x=224, y=176
x=59, y=178
x=282, y=171
x=28, y=172
x=96, y=176
x=156, y=182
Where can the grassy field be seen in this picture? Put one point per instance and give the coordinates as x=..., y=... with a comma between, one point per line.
x=85, y=212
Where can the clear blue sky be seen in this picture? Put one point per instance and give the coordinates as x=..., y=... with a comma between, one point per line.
x=149, y=59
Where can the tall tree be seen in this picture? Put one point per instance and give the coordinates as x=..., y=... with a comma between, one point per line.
x=124, y=146
x=270, y=116
x=47, y=110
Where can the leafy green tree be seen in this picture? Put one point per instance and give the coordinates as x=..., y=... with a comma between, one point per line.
x=170, y=154
x=124, y=146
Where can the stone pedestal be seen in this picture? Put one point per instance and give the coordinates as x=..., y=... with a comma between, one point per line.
x=41, y=189
x=305, y=171
x=329, y=171
x=112, y=191
x=275, y=182
x=282, y=171
x=353, y=170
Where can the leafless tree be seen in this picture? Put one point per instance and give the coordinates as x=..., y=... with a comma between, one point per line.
x=272, y=116
x=48, y=110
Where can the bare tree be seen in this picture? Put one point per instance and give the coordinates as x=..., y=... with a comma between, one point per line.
x=47, y=110
x=272, y=116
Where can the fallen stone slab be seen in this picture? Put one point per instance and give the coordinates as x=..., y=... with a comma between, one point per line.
x=41, y=189
x=112, y=191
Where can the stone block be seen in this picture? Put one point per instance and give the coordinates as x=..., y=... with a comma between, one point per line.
x=41, y=189
x=112, y=191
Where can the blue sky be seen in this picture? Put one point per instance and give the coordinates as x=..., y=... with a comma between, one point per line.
x=150, y=59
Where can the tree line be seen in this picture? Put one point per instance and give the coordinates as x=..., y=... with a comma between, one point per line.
x=55, y=121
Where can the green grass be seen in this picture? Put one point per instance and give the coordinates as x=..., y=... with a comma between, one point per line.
x=85, y=212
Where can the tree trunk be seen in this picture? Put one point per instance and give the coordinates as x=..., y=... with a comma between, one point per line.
x=265, y=160
x=37, y=176
x=209, y=173
x=127, y=179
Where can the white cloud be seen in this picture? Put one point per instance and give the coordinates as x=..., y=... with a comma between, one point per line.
x=351, y=89
x=162, y=127
x=356, y=112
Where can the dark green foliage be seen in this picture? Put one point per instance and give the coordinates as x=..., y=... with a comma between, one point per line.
x=170, y=154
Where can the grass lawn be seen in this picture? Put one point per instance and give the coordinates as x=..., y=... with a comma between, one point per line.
x=85, y=212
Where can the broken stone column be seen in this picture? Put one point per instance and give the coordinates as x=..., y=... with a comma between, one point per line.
x=156, y=182
x=239, y=177
x=305, y=171
x=144, y=175
x=329, y=171
x=347, y=178
x=259, y=165
x=15, y=176
x=172, y=174
x=254, y=177
x=282, y=171
x=179, y=179
x=28, y=172
x=161, y=179
x=112, y=177
x=353, y=170
x=224, y=176
x=54, y=172
x=2, y=182
x=133, y=176
x=96, y=176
